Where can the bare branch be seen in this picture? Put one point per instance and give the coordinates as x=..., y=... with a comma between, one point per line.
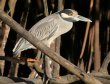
x=14, y=80
x=2, y=4
x=45, y=8
x=68, y=79
x=105, y=63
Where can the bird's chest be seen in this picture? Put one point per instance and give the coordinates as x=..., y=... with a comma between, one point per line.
x=64, y=27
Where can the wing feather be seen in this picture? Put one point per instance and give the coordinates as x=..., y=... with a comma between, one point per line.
x=42, y=31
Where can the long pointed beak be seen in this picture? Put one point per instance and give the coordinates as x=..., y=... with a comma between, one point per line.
x=81, y=18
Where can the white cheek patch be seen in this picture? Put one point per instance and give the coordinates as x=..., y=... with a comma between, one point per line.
x=65, y=15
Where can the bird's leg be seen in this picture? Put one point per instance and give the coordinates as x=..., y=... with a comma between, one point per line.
x=44, y=69
x=55, y=70
x=38, y=54
x=33, y=73
x=48, y=67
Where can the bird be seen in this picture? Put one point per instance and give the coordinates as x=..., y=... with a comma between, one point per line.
x=49, y=28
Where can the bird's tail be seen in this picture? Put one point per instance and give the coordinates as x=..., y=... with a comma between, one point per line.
x=16, y=49
x=22, y=45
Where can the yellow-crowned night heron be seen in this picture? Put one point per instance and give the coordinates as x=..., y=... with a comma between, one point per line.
x=49, y=28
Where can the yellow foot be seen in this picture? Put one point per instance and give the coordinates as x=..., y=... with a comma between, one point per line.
x=58, y=77
x=32, y=60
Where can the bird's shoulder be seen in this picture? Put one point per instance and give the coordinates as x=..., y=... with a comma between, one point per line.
x=46, y=20
x=46, y=27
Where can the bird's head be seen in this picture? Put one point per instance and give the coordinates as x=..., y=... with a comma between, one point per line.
x=72, y=16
